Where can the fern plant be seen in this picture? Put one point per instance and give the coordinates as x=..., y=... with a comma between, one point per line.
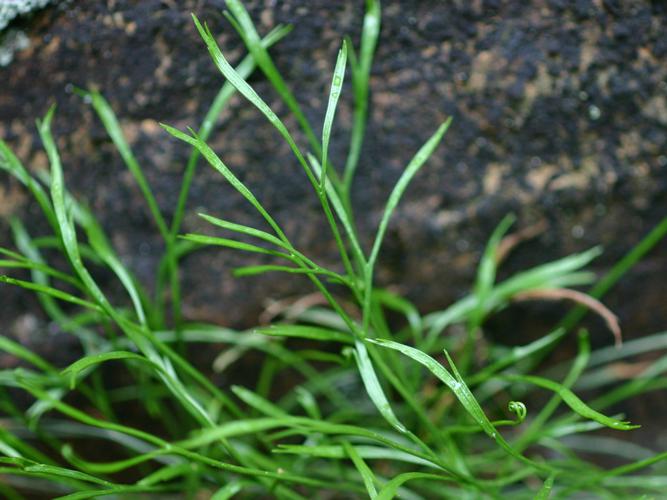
x=375, y=407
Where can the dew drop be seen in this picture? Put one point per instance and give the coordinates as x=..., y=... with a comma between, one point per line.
x=594, y=112
x=578, y=232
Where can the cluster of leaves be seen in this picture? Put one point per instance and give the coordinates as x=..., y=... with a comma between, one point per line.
x=372, y=408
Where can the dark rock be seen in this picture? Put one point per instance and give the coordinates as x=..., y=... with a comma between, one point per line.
x=560, y=111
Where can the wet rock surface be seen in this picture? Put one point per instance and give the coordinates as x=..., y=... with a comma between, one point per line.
x=560, y=115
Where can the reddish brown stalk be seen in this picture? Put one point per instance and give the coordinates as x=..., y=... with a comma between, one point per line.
x=509, y=242
x=291, y=307
x=580, y=298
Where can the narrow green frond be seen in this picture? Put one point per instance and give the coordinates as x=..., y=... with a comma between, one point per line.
x=408, y=174
x=486, y=271
x=390, y=489
x=364, y=471
x=53, y=292
x=334, y=95
x=249, y=93
x=307, y=332
x=361, y=71
x=10, y=163
x=215, y=161
x=576, y=404
x=243, y=24
x=113, y=128
x=373, y=387
x=83, y=364
x=247, y=230
x=225, y=242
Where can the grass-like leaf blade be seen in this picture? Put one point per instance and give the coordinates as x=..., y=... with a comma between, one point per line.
x=113, y=128
x=243, y=24
x=202, y=239
x=334, y=95
x=390, y=489
x=364, y=471
x=460, y=390
x=361, y=70
x=573, y=401
x=373, y=387
x=408, y=174
x=73, y=370
x=307, y=332
x=53, y=292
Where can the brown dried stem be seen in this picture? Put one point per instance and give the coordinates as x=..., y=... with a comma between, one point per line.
x=580, y=298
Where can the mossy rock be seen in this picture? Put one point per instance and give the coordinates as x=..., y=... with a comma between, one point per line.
x=560, y=115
